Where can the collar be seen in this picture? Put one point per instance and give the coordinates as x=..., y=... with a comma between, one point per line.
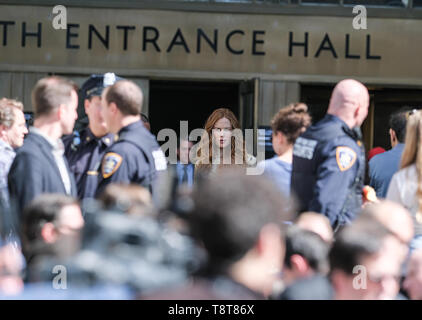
x=54, y=144
x=399, y=146
x=132, y=126
x=5, y=146
x=88, y=136
x=354, y=133
x=332, y=117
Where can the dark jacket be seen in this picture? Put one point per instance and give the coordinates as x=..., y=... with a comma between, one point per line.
x=135, y=158
x=328, y=170
x=34, y=171
x=84, y=153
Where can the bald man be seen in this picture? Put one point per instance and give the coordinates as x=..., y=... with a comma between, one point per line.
x=394, y=217
x=329, y=158
x=317, y=223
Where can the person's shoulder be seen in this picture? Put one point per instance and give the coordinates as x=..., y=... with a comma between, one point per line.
x=31, y=145
x=313, y=288
x=345, y=141
x=406, y=172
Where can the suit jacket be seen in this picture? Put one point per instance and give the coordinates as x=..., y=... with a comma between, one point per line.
x=34, y=171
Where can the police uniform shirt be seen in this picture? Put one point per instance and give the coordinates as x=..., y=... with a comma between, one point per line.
x=84, y=153
x=134, y=158
x=328, y=170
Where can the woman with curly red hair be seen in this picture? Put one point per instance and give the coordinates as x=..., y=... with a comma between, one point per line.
x=222, y=144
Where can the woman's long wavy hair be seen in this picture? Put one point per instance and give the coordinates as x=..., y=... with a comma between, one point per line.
x=412, y=152
x=208, y=142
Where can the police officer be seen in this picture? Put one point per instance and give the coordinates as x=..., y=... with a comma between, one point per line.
x=329, y=158
x=85, y=148
x=136, y=156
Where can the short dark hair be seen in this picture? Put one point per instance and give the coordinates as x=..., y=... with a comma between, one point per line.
x=398, y=121
x=363, y=238
x=43, y=209
x=230, y=210
x=127, y=96
x=49, y=93
x=310, y=246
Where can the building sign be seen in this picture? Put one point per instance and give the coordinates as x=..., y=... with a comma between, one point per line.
x=145, y=42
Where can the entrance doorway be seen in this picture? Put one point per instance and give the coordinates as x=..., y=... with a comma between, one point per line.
x=173, y=101
x=383, y=102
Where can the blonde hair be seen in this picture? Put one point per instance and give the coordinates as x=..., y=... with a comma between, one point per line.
x=412, y=153
x=7, y=115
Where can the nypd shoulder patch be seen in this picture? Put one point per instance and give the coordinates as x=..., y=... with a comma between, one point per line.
x=111, y=163
x=159, y=159
x=345, y=157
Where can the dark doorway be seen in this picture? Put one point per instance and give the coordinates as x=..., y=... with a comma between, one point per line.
x=384, y=101
x=174, y=101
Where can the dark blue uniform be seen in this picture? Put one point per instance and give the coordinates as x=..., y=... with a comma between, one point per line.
x=135, y=158
x=328, y=170
x=84, y=153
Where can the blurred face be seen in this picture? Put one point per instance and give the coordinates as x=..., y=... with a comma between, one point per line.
x=222, y=132
x=184, y=150
x=70, y=220
x=106, y=113
x=17, y=131
x=381, y=275
x=69, y=114
x=97, y=123
x=413, y=282
x=384, y=270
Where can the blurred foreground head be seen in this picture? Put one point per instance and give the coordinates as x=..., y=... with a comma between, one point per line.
x=237, y=218
x=316, y=222
x=365, y=262
x=131, y=199
x=413, y=282
x=395, y=218
x=51, y=227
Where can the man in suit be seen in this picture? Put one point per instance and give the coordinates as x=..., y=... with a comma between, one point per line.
x=184, y=168
x=40, y=166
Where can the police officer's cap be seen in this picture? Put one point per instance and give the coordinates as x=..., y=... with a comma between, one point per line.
x=96, y=83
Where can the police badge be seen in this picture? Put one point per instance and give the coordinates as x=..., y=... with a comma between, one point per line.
x=111, y=163
x=345, y=157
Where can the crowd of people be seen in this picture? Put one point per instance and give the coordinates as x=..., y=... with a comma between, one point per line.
x=100, y=213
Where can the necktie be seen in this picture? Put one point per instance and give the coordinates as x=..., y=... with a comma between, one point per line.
x=185, y=174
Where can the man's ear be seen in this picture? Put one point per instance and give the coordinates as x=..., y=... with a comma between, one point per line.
x=49, y=233
x=393, y=137
x=2, y=130
x=113, y=108
x=86, y=105
x=270, y=245
x=60, y=112
x=299, y=263
x=393, y=134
